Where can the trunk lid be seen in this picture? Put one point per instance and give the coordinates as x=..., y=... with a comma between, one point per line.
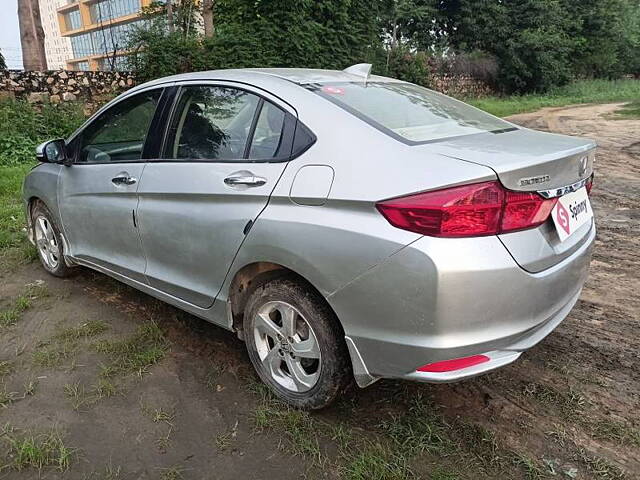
x=528, y=160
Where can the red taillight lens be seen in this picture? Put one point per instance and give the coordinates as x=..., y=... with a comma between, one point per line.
x=455, y=364
x=525, y=210
x=589, y=184
x=467, y=211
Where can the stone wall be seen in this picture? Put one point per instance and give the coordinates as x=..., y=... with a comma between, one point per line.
x=62, y=85
x=460, y=86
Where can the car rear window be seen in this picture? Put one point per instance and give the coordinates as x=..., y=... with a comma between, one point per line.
x=408, y=112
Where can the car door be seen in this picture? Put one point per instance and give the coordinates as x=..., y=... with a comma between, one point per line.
x=97, y=193
x=224, y=150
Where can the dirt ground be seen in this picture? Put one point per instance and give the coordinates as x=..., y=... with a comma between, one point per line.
x=84, y=361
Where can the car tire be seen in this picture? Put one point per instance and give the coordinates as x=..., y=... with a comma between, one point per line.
x=296, y=344
x=48, y=241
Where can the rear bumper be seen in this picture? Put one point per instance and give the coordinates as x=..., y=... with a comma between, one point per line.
x=439, y=299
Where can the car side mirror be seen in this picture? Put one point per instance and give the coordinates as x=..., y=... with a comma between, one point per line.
x=53, y=151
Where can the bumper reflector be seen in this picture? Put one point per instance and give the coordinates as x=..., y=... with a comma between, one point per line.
x=455, y=364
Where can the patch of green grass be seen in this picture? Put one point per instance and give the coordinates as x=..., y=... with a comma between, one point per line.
x=92, y=328
x=53, y=354
x=11, y=315
x=419, y=430
x=582, y=91
x=12, y=220
x=614, y=431
x=172, y=473
x=146, y=347
x=630, y=111
x=6, y=368
x=65, y=343
x=376, y=462
x=570, y=404
x=600, y=468
x=296, y=425
x=27, y=450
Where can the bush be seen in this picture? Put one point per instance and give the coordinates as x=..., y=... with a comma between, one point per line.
x=24, y=126
x=408, y=66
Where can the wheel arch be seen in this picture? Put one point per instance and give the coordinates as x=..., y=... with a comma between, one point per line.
x=251, y=276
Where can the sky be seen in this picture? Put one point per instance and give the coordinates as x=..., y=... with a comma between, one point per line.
x=10, y=33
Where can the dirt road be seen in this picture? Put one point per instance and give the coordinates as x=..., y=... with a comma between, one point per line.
x=109, y=383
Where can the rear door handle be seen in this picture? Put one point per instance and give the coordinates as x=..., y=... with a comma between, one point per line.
x=245, y=178
x=123, y=179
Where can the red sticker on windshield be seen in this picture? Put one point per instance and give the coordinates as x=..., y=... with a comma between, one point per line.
x=333, y=90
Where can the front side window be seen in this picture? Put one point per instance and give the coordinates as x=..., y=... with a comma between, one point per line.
x=408, y=112
x=119, y=133
x=211, y=123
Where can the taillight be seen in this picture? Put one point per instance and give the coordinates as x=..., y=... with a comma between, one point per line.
x=467, y=211
x=589, y=184
x=525, y=210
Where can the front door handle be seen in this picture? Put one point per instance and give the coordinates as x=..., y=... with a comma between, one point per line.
x=123, y=179
x=246, y=179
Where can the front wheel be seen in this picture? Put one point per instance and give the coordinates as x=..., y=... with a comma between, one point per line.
x=48, y=242
x=295, y=344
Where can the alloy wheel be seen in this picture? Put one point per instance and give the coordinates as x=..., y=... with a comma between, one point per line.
x=46, y=242
x=287, y=346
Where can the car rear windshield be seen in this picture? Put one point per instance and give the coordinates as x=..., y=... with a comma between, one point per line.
x=408, y=112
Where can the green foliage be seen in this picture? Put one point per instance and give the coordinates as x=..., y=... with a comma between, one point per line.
x=407, y=65
x=582, y=91
x=263, y=33
x=23, y=126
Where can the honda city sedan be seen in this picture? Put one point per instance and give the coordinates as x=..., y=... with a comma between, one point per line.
x=348, y=227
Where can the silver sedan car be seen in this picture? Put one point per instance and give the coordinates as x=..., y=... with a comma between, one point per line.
x=346, y=226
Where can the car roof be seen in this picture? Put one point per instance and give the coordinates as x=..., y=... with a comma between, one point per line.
x=300, y=76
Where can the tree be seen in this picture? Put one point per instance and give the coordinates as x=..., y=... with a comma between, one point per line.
x=530, y=38
x=31, y=35
x=3, y=64
x=207, y=17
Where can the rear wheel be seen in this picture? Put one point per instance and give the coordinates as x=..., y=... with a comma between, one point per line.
x=48, y=241
x=295, y=344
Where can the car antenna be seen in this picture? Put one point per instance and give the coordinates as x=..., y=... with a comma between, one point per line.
x=361, y=70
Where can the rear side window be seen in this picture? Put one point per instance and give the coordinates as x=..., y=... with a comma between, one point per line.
x=119, y=133
x=410, y=113
x=267, y=136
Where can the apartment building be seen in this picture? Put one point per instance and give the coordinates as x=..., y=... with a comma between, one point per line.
x=57, y=48
x=97, y=31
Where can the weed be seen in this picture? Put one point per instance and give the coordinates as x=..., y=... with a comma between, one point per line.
x=172, y=473
x=158, y=414
x=6, y=368
x=599, y=467
x=52, y=355
x=614, y=431
x=225, y=439
x=376, y=462
x=21, y=304
x=88, y=329
x=135, y=354
x=29, y=450
x=76, y=393
x=109, y=473
x=419, y=430
x=298, y=426
x=532, y=470
x=570, y=404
